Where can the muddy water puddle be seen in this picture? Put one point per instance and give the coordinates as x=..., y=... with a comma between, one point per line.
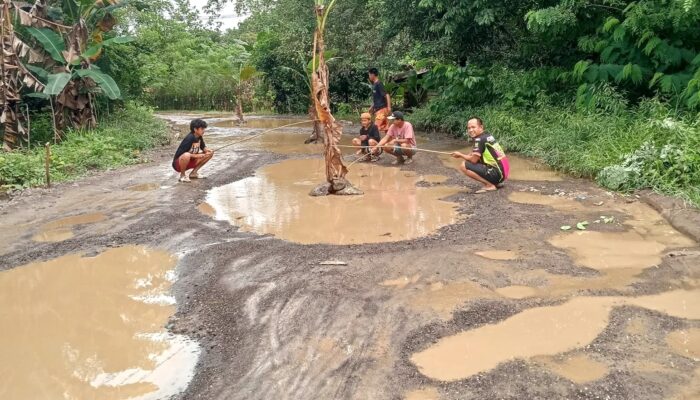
x=92, y=327
x=577, y=368
x=62, y=229
x=423, y=394
x=276, y=201
x=542, y=331
x=265, y=123
x=144, y=187
x=685, y=342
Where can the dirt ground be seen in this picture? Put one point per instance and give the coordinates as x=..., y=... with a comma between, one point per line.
x=277, y=322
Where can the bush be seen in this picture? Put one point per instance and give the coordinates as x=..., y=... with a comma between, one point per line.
x=644, y=147
x=119, y=140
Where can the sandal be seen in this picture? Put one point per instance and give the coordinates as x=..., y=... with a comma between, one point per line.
x=184, y=179
x=197, y=176
x=480, y=191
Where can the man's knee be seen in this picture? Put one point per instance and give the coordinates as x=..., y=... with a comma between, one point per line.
x=373, y=142
x=356, y=142
x=389, y=149
x=463, y=168
x=185, y=158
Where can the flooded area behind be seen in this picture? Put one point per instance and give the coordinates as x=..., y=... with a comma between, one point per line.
x=276, y=201
x=80, y=327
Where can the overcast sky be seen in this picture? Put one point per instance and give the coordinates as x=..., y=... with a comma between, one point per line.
x=228, y=19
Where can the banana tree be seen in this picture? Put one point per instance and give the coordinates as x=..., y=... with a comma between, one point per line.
x=332, y=130
x=243, y=74
x=72, y=80
x=307, y=77
x=13, y=73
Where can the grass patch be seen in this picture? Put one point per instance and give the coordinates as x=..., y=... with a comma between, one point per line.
x=119, y=140
x=642, y=147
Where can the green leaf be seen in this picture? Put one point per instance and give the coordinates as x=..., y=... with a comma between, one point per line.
x=52, y=42
x=119, y=40
x=38, y=95
x=91, y=51
x=582, y=225
x=105, y=82
x=610, y=23
x=57, y=82
x=566, y=228
x=38, y=71
x=248, y=72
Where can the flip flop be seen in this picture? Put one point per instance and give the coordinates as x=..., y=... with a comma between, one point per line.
x=197, y=177
x=480, y=191
x=183, y=179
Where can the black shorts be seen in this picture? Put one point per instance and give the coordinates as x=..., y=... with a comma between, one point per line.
x=491, y=174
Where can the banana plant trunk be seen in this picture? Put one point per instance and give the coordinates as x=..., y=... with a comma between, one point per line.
x=239, y=103
x=332, y=130
x=10, y=84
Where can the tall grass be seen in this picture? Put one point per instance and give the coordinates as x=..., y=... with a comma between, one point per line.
x=118, y=141
x=645, y=146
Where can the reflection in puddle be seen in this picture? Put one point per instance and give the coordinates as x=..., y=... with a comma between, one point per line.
x=539, y=331
x=276, y=201
x=686, y=343
x=60, y=230
x=579, y=368
x=92, y=327
x=433, y=178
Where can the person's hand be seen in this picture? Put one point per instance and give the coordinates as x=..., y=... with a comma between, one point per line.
x=457, y=154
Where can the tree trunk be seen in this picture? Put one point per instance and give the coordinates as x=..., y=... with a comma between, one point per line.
x=332, y=130
x=10, y=85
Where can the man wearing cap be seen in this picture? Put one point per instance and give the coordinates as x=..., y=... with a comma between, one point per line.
x=487, y=163
x=400, y=141
x=381, y=101
x=369, y=137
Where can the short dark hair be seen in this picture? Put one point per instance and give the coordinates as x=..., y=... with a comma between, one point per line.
x=197, y=123
x=481, y=123
x=374, y=71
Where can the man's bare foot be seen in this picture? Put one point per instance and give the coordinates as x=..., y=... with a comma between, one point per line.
x=183, y=178
x=196, y=176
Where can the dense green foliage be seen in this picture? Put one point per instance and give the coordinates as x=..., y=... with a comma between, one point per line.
x=608, y=89
x=119, y=140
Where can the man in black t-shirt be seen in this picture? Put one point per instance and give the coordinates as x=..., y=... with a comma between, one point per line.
x=381, y=101
x=487, y=163
x=192, y=152
x=369, y=137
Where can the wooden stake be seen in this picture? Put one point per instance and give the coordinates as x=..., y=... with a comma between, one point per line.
x=48, y=164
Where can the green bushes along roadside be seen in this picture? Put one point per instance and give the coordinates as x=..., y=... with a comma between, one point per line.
x=119, y=140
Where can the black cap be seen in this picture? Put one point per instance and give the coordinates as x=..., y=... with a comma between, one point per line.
x=396, y=115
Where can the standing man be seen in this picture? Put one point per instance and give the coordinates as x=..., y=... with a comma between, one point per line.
x=400, y=141
x=369, y=137
x=487, y=163
x=381, y=101
x=192, y=152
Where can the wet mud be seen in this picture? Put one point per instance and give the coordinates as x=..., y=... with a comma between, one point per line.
x=276, y=317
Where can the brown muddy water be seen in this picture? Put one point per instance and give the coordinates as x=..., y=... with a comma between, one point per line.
x=540, y=331
x=61, y=229
x=81, y=327
x=276, y=201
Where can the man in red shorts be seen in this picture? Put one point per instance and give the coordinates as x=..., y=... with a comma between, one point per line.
x=192, y=153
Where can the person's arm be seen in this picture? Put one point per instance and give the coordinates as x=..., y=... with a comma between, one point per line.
x=475, y=155
x=362, y=137
x=206, y=149
x=384, y=141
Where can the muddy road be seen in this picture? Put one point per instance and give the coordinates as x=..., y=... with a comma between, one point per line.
x=127, y=284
